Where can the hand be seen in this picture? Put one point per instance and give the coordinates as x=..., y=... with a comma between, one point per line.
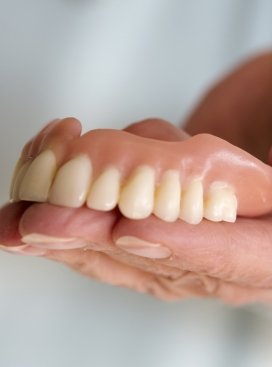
x=239, y=108
x=231, y=262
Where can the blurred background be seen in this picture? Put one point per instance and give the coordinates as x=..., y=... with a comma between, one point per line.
x=110, y=63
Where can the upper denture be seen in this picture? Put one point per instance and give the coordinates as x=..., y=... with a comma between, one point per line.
x=205, y=157
x=217, y=180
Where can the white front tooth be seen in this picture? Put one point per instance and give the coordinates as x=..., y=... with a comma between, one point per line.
x=38, y=178
x=72, y=183
x=167, y=198
x=104, y=193
x=221, y=205
x=191, y=210
x=137, y=196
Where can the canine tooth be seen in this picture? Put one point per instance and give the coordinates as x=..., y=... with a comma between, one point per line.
x=38, y=178
x=104, y=193
x=191, y=210
x=18, y=177
x=167, y=198
x=137, y=196
x=14, y=176
x=72, y=182
x=221, y=205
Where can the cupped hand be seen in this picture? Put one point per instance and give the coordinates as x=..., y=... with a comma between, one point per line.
x=228, y=261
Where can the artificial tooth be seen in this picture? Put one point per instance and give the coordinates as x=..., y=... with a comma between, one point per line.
x=17, y=179
x=14, y=176
x=137, y=196
x=72, y=183
x=221, y=205
x=167, y=198
x=104, y=193
x=191, y=210
x=38, y=178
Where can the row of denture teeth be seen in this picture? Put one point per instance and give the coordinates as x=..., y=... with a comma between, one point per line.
x=137, y=198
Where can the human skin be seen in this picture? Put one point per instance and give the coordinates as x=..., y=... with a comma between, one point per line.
x=228, y=261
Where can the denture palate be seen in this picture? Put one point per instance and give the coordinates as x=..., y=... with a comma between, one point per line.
x=202, y=177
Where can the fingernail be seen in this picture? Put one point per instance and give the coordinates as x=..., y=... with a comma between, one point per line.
x=140, y=247
x=53, y=243
x=23, y=250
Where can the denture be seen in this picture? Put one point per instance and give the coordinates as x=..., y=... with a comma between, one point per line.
x=200, y=177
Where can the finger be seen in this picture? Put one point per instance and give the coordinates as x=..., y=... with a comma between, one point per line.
x=238, y=252
x=238, y=109
x=10, y=216
x=55, y=222
x=100, y=266
x=95, y=235
x=157, y=129
x=100, y=259
x=51, y=227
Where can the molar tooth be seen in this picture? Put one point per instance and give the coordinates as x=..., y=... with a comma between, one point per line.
x=104, y=193
x=38, y=178
x=221, y=205
x=17, y=179
x=191, y=210
x=167, y=198
x=137, y=196
x=72, y=182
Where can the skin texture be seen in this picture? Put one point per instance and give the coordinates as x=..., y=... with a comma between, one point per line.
x=231, y=262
